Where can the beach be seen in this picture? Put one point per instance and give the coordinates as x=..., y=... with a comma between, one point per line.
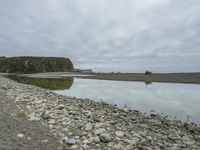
x=37, y=118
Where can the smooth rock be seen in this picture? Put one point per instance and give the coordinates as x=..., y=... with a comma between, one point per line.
x=88, y=127
x=174, y=137
x=100, y=131
x=20, y=135
x=86, y=147
x=4, y=87
x=96, y=139
x=188, y=141
x=45, y=141
x=52, y=121
x=61, y=106
x=32, y=117
x=65, y=139
x=149, y=138
x=119, y=133
x=74, y=146
x=105, y=138
x=71, y=141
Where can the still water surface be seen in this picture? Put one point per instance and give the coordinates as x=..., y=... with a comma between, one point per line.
x=174, y=100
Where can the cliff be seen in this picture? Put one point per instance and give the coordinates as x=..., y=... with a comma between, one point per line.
x=35, y=64
x=47, y=83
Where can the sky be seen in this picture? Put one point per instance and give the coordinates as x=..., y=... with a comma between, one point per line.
x=105, y=35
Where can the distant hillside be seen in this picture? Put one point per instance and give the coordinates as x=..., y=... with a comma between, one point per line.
x=35, y=64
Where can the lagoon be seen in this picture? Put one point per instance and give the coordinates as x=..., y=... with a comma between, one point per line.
x=176, y=101
x=172, y=100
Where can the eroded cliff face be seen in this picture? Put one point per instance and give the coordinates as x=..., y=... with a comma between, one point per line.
x=35, y=64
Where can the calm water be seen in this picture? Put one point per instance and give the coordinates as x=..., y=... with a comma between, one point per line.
x=174, y=100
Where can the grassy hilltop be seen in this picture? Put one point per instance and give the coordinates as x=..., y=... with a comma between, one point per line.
x=35, y=64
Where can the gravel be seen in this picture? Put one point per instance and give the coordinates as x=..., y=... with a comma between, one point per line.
x=69, y=123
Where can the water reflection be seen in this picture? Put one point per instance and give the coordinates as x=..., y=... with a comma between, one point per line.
x=47, y=83
x=148, y=83
x=175, y=100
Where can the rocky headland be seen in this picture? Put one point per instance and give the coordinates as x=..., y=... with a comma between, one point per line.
x=30, y=64
x=88, y=125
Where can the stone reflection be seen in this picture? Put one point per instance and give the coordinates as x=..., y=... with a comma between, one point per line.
x=148, y=83
x=47, y=83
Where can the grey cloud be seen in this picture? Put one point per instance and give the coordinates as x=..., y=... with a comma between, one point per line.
x=128, y=35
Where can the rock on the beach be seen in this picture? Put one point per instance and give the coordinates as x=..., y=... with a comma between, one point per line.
x=74, y=146
x=100, y=131
x=188, y=141
x=32, y=117
x=65, y=139
x=52, y=122
x=45, y=141
x=137, y=138
x=71, y=141
x=61, y=106
x=20, y=135
x=119, y=133
x=4, y=87
x=88, y=127
x=174, y=137
x=105, y=137
x=96, y=139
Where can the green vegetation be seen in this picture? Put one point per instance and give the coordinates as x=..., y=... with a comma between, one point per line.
x=47, y=83
x=35, y=64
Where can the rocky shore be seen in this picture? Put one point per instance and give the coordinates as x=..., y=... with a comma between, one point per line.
x=88, y=125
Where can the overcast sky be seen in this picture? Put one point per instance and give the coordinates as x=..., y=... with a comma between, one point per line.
x=105, y=35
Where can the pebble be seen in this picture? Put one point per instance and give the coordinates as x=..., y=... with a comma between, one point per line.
x=20, y=135
x=88, y=127
x=174, y=137
x=74, y=146
x=188, y=141
x=93, y=125
x=45, y=141
x=96, y=139
x=71, y=141
x=65, y=139
x=105, y=138
x=119, y=133
x=100, y=131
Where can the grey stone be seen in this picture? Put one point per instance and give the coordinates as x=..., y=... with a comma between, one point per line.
x=100, y=131
x=173, y=137
x=119, y=133
x=71, y=141
x=188, y=141
x=88, y=127
x=105, y=138
x=96, y=139
x=20, y=135
x=74, y=146
x=65, y=139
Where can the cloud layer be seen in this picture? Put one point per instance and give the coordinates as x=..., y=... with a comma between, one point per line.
x=128, y=35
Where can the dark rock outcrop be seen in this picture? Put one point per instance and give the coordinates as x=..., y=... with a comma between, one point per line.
x=35, y=64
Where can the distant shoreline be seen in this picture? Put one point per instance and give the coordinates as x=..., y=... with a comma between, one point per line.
x=190, y=78
x=186, y=78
